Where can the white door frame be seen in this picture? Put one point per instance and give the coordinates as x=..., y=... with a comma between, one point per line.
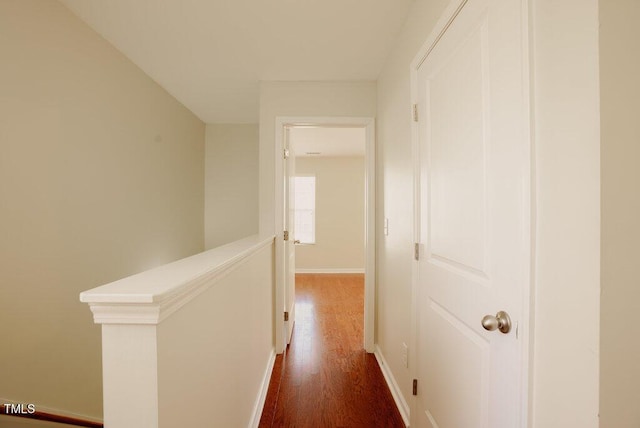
x=368, y=123
x=524, y=331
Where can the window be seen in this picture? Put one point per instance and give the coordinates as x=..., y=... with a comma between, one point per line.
x=305, y=209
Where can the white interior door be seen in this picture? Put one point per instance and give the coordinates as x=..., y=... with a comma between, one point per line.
x=289, y=244
x=473, y=221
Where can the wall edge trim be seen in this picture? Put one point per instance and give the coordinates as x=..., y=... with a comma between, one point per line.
x=401, y=403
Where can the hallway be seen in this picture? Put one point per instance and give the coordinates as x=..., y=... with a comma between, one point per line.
x=326, y=379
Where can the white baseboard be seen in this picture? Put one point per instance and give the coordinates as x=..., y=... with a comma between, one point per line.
x=259, y=406
x=330, y=270
x=403, y=407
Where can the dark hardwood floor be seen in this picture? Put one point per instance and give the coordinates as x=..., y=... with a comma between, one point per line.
x=326, y=379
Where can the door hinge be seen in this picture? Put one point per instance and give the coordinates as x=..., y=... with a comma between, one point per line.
x=416, y=251
x=286, y=154
x=286, y=316
x=415, y=387
x=286, y=235
x=415, y=112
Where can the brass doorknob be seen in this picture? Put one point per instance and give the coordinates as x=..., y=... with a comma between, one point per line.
x=501, y=322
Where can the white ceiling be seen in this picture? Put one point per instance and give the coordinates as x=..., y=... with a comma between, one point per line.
x=327, y=141
x=211, y=54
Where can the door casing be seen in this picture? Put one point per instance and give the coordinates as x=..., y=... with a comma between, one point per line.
x=368, y=123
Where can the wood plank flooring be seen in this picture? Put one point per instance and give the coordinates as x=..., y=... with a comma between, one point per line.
x=325, y=378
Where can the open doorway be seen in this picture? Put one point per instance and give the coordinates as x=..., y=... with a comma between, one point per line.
x=327, y=217
x=288, y=130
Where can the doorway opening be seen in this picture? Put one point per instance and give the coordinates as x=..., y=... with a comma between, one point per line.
x=303, y=138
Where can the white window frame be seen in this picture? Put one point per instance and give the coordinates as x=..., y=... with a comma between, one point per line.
x=297, y=209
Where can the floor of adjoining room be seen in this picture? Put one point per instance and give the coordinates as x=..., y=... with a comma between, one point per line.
x=325, y=378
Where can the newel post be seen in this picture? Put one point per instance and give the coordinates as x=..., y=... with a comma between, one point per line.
x=129, y=362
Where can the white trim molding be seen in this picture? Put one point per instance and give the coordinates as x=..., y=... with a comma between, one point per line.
x=152, y=296
x=401, y=403
x=262, y=397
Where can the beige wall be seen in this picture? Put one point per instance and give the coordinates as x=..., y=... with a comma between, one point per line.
x=565, y=354
x=101, y=176
x=302, y=99
x=395, y=191
x=231, y=183
x=339, y=214
x=567, y=259
x=620, y=133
